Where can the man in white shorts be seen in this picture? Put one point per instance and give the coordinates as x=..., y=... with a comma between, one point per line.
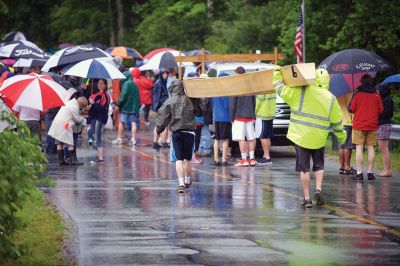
x=243, y=116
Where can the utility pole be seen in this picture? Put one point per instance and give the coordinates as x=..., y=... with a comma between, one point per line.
x=303, y=10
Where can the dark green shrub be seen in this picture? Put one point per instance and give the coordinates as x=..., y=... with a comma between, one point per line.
x=21, y=166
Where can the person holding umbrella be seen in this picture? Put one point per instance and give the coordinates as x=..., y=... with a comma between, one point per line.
x=366, y=105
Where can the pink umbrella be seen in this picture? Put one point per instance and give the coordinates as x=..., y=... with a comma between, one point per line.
x=35, y=91
x=156, y=51
x=8, y=62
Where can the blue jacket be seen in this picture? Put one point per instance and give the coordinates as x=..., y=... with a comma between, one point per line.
x=220, y=106
x=159, y=93
x=98, y=112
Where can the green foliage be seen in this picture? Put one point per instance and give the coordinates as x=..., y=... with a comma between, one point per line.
x=41, y=239
x=21, y=166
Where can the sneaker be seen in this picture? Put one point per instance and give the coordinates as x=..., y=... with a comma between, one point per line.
x=156, y=146
x=217, y=163
x=116, y=141
x=306, y=203
x=90, y=141
x=264, y=160
x=242, y=162
x=319, y=198
x=252, y=162
x=187, y=185
x=224, y=163
x=180, y=189
x=342, y=171
x=133, y=142
x=98, y=160
x=359, y=177
x=371, y=176
x=196, y=160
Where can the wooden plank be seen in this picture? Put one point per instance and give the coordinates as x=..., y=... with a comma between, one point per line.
x=228, y=57
x=259, y=82
x=299, y=74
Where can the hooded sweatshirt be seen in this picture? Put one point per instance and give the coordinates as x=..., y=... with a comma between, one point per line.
x=386, y=116
x=160, y=92
x=145, y=86
x=178, y=111
x=366, y=105
x=129, y=101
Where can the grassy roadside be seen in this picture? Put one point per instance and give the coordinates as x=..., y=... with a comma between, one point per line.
x=333, y=154
x=42, y=237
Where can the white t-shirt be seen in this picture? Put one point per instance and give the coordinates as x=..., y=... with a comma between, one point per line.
x=27, y=114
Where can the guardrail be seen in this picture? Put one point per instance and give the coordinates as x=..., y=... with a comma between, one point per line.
x=395, y=135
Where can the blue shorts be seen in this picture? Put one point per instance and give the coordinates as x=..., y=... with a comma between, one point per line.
x=127, y=119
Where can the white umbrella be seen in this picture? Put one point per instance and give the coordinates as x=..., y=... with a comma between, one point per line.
x=24, y=62
x=93, y=68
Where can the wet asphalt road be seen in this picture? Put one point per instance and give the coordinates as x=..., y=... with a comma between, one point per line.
x=126, y=211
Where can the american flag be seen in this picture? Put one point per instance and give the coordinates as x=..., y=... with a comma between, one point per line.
x=298, y=42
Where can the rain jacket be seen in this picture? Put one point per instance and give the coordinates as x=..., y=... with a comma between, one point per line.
x=366, y=105
x=220, y=107
x=314, y=111
x=178, y=111
x=266, y=106
x=129, y=101
x=68, y=114
x=386, y=116
x=242, y=107
x=160, y=92
x=145, y=86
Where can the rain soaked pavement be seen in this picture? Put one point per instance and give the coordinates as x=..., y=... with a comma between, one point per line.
x=126, y=211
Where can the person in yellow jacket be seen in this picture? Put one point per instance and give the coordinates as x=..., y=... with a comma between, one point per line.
x=265, y=114
x=314, y=112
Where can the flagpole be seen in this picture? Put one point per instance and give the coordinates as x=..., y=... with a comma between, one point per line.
x=304, y=30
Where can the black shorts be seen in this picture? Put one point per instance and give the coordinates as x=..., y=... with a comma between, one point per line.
x=182, y=142
x=304, y=155
x=223, y=130
x=264, y=129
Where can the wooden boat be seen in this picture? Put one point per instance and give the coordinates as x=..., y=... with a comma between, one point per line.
x=259, y=82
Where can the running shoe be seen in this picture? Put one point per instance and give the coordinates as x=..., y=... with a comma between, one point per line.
x=242, y=162
x=307, y=203
x=371, y=176
x=319, y=198
x=264, y=160
x=180, y=189
x=252, y=162
x=116, y=141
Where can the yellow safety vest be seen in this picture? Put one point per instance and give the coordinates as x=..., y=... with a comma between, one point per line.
x=266, y=106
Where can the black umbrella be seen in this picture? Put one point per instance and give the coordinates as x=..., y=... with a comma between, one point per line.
x=72, y=55
x=159, y=61
x=196, y=52
x=14, y=36
x=22, y=49
x=352, y=61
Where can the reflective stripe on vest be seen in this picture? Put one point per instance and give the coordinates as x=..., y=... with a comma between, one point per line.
x=300, y=113
x=281, y=85
x=309, y=124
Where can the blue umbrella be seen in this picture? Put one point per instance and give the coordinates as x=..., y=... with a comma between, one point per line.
x=392, y=79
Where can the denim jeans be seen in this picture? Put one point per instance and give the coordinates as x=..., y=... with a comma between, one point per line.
x=51, y=146
x=92, y=129
x=205, y=141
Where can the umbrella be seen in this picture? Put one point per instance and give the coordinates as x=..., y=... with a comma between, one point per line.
x=392, y=79
x=341, y=84
x=160, y=60
x=352, y=61
x=8, y=62
x=93, y=68
x=35, y=91
x=72, y=55
x=23, y=62
x=196, y=52
x=21, y=49
x=14, y=36
x=65, y=45
x=156, y=51
x=164, y=59
x=124, y=52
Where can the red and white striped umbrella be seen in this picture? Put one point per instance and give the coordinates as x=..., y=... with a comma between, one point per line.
x=35, y=91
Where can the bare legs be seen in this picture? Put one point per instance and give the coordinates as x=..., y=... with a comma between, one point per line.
x=183, y=168
x=360, y=159
x=266, y=145
x=305, y=181
x=225, y=147
x=384, y=149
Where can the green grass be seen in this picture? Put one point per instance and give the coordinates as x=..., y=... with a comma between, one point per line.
x=41, y=239
x=333, y=154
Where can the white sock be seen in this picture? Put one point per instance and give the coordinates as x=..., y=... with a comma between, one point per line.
x=181, y=183
x=244, y=156
x=187, y=179
x=359, y=173
x=251, y=154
